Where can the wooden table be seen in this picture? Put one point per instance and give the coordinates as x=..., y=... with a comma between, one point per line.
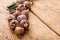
x=44, y=21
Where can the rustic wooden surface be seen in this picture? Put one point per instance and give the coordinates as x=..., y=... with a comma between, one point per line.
x=44, y=21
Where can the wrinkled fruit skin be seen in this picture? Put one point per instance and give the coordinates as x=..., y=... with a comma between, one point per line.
x=21, y=17
x=28, y=4
x=19, y=30
x=16, y=13
x=25, y=12
x=13, y=24
x=21, y=7
x=24, y=23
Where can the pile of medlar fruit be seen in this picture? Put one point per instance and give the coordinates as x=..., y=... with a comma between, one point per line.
x=18, y=21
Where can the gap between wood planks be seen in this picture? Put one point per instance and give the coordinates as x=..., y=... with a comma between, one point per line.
x=54, y=7
x=45, y=23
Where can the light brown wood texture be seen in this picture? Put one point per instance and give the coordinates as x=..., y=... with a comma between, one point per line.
x=38, y=30
x=48, y=16
x=54, y=5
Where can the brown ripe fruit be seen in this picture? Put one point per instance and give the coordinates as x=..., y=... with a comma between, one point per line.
x=25, y=12
x=20, y=1
x=19, y=30
x=28, y=4
x=13, y=23
x=24, y=23
x=21, y=17
x=16, y=13
x=21, y=7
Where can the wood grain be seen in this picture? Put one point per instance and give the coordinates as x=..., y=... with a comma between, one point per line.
x=54, y=5
x=50, y=18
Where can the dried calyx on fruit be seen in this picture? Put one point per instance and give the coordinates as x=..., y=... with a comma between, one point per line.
x=24, y=23
x=28, y=4
x=18, y=21
x=13, y=24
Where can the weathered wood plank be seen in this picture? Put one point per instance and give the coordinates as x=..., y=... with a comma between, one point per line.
x=51, y=18
x=54, y=5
